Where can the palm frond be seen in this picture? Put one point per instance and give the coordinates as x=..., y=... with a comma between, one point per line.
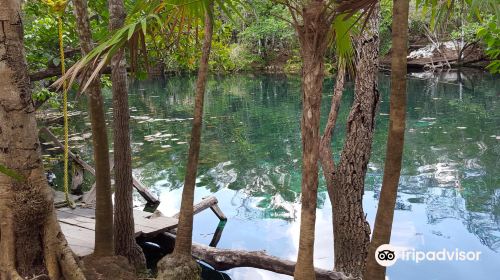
x=343, y=28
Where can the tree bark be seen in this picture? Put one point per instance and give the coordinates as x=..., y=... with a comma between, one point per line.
x=312, y=35
x=124, y=233
x=351, y=230
x=185, y=229
x=395, y=139
x=104, y=245
x=325, y=148
x=31, y=240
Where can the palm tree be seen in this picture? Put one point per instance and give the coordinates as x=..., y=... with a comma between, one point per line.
x=395, y=139
x=31, y=239
x=124, y=232
x=104, y=245
x=182, y=250
x=312, y=21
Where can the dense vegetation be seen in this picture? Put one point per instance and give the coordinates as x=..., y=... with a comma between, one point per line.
x=260, y=40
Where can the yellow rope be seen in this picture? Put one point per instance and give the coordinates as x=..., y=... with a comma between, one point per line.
x=65, y=115
x=58, y=7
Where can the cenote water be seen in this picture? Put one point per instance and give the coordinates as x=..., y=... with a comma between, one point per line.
x=449, y=195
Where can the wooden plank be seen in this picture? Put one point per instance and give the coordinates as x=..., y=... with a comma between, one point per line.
x=85, y=217
x=80, y=240
x=202, y=205
x=79, y=211
x=151, y=227
x=78, y=221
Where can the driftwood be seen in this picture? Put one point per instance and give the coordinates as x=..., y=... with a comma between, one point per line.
x=143, y=191
x=225, y=259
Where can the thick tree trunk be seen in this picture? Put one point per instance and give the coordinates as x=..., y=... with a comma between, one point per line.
x=124, y=233
x=313, y=43
x=395, y=139
x=351, y=230
x=31, y=241
x=185, y=229
x=104, y=245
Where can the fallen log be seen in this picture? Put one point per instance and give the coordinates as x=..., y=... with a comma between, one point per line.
x=225, y=259
x=143, y=191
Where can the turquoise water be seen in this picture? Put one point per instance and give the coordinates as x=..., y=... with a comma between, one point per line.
x=449, y=194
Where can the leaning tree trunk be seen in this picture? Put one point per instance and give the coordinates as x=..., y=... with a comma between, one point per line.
x=395, y=139
x=182, y=250
x=124, y=232
x=351, y=231
x=31, y=240
x=313, y=44
x=104, y=245
x=325, y=147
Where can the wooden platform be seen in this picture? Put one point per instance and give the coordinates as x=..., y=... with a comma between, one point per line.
x=78, y=225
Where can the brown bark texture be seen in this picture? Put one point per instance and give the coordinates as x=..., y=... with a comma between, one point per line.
x=124, y=233
x=395, y=139
x=31, y=241
x=104, y=245
x=312, y=33
x=350, y=229
x=325, y=148
x=185, y=229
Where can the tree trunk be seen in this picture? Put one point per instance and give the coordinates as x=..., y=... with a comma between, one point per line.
x=124, y=233
x=313, y=43
x=351, y=230
x=325, y=148
x=185, y=229
x=180, y=264
x=104, y=245
x=395, y=139
x=31, y=240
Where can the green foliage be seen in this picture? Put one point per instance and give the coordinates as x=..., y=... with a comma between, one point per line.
x=294, y=64
x=490, y=34
x=343, y=29
x=385, y=27
x=265, y=32
x=244, y=59
x=43, y=94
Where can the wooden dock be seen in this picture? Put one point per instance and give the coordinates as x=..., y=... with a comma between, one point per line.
x=78, y=225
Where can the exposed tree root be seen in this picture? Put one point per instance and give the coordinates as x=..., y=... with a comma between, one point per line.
x=178, y=267
x=58, y=259
x=108, y=268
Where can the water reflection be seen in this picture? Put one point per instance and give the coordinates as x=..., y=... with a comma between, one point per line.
x=250, y=160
